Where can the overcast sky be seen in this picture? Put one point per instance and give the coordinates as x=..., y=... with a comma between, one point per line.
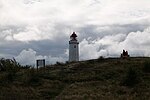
x=37, y=29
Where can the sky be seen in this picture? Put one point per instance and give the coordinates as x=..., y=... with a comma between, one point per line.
x=40, y=29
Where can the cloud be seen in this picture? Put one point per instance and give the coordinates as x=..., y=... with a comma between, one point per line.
x=29, y=57
x=137, y=43
x=91, y=50
x=100, y=47
x=44, y=26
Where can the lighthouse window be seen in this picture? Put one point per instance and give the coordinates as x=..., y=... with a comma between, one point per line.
x=74, y=46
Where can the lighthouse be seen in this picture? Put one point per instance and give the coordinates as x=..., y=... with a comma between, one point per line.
x=73, y=48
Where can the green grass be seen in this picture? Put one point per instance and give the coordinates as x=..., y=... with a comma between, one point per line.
x=99, y=79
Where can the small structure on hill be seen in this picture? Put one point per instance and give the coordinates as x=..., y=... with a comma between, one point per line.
x=40, y=63
x=125, y=54
x=73, y=48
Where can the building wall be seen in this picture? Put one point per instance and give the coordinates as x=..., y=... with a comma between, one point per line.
x=73, y=51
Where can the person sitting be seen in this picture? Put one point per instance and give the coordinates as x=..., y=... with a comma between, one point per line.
x=124, y=54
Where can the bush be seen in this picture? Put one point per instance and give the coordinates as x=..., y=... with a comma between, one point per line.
x=59, y=64
x=101, y=58
x=9, y=65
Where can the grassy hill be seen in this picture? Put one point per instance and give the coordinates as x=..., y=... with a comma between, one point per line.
x=99, y=79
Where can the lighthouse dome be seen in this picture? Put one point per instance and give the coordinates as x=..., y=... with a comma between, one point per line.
x=73, y=36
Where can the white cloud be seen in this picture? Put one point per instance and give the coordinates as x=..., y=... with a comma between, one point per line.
x=32, y=33
x=91, y=50
x=111, y=26
x=137, y=44
x=29, y=57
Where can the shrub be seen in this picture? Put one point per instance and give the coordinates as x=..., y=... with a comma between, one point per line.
x=101, y=58
x=9, y=65
x=59, y=64
x=67, y=62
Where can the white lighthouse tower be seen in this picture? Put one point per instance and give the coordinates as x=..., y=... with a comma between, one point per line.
x=73, y=48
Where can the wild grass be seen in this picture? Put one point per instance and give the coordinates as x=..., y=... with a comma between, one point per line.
x=100, y=79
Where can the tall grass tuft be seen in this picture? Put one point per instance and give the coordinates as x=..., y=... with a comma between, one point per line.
x=10, y=67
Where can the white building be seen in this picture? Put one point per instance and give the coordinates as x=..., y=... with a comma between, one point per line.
x=73, y=48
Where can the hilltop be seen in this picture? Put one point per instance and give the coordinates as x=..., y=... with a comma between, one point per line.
x=99, y=79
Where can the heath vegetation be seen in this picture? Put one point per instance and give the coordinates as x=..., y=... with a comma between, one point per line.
x=99, y=79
